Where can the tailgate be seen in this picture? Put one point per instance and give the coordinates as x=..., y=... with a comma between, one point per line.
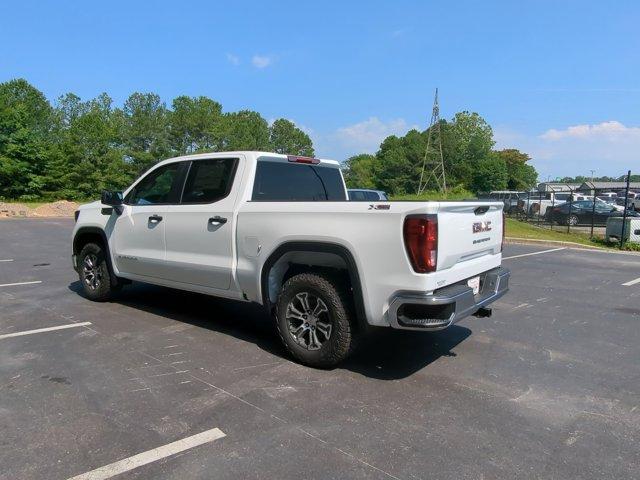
x=468, y=230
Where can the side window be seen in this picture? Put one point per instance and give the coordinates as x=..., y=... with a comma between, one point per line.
x=372, y=196
x=155, y=188
x=278, y=181
x=209, y=180
x=358, y=196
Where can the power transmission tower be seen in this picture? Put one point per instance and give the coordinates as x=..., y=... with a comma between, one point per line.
x=432, y=173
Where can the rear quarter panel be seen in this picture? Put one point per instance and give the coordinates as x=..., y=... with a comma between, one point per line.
x=374, y=238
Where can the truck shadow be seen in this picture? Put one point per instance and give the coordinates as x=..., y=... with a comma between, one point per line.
x=388, y=354
x=384, y=353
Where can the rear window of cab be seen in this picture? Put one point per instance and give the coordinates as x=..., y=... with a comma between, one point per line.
x=286, y=181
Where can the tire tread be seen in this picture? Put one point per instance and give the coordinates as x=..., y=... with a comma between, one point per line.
x=339, y=301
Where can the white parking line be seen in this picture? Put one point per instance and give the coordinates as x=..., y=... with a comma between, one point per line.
x=535, y=253
x=20, y=283
x=42, y=330
x=150, y=456
x=632, y=282
x=7, y=260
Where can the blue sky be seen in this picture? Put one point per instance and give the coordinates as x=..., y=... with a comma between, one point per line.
x=557, y=79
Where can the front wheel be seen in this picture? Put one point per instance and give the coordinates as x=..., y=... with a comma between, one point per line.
x=315, y=320
x=94, y=273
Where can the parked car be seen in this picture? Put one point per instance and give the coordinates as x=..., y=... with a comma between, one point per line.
x=607, y=195
x=611, y=201
x=510, y=198
x=536, y=203
x=582, y=212
x=579, y=196
x=365, y=195
x=633, y=201
x=278, y=231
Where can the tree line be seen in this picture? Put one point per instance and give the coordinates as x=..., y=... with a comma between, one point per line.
x=75, y=148
x=471, y=164
x=581, y=179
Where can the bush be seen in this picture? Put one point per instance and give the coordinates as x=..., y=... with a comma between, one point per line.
x=456, y=193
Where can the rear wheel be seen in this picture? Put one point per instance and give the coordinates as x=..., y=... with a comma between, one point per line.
x=315, y=320
x=572, y=220
x=94, y=273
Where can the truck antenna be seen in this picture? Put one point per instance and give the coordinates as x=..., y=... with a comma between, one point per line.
x=433, y=161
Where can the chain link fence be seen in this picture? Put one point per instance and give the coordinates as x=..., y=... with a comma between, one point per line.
x=602, y=210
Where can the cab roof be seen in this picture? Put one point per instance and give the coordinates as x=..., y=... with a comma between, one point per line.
x=250, y=154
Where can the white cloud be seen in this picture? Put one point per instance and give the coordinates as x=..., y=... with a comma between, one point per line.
x=610, y=148
x=610, y=131
x=261, y=61
x=366, y=136
x=233, y=59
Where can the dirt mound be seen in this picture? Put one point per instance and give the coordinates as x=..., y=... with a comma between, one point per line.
x=14, y=210
x=61, y=208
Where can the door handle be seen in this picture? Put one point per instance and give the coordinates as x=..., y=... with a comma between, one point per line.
x=217, y=220
x=155, y=219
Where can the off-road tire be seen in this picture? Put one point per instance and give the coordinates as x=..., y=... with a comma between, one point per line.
x=105, y=289
x=337, y=298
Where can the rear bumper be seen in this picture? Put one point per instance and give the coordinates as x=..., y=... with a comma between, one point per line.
x=447, y=305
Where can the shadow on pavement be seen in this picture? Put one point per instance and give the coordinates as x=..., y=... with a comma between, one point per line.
x=384, y=353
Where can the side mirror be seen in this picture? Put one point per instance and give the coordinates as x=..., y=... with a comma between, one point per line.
x=113, y=199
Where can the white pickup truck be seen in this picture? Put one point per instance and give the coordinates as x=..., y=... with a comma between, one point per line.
x=279, y=231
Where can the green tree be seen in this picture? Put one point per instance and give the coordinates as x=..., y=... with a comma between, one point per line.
x=490, y=173
x=193, y=124
x=360, y=171
x=243, y=130
x=521, y=176
x=25, y=135
x=145, y=124
x=88, y=157
x=400, y=161
x=467, y=140
x=286, y=138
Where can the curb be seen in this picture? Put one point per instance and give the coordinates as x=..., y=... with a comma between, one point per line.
x=555, y=243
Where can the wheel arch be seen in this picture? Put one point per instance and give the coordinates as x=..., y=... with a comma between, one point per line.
x=284, y=251
x=86, y=235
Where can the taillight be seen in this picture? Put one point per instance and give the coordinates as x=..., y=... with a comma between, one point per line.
x=503, y=230
x=421, y=241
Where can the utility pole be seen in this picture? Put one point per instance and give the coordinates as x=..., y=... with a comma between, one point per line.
x=432, y=172
x=592, y=172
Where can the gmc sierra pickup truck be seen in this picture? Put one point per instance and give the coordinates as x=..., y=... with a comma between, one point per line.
x=279, y=231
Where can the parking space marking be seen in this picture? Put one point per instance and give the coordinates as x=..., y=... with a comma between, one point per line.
x=150, y=456
x=535, y=253
x=42, y=330
x=20, y=283
x=7, y=260
x=632, y=282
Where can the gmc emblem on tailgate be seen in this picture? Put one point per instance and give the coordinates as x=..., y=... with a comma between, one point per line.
x=479, y=227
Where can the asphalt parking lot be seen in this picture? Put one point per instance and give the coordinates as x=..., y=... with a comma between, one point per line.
x=196, y=387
